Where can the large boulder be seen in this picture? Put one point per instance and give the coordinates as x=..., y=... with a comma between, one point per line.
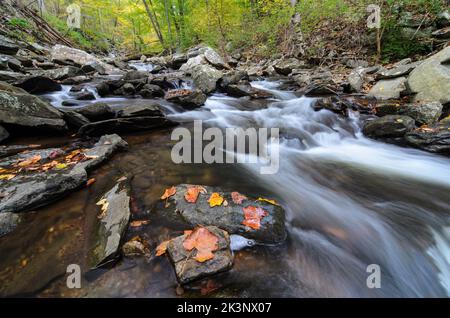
x=245, y=89
x=215, y=59
x=390, y=126
x=62, y=72
x=431, y=79
x=38, y=84
x=28, y=190
x=188, y=268
x=128, y=124
x=398, y=71
x=423, y=113
x=187, y=98
x=151, y=91
x=193, y=62
x=63, y=54
x=10, y=62
x=114, y=215
x=434, y=139
x=96, y=111
x=7, y=46
x=389, y=89
x=206, y=78
x=229, y=215
x=285, y=66
x=10, y=76
x=25, y=110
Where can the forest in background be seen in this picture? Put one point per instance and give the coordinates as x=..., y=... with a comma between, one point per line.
x=261, y=27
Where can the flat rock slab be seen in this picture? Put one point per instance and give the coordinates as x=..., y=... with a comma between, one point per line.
x=188, y=269
x=230, y=216
x=114, y=214
x=434, y=139
x=186, y=98
x=29, y=190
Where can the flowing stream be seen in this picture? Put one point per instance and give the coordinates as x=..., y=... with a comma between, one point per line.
x=350, y=202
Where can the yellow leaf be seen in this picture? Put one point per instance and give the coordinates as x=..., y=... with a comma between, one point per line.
x=7, y=176
x=273, y=202
x=60, y=166
x=215, y=200
x=104, y=207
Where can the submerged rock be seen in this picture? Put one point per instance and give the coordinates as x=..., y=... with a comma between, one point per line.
x=140, y=110
x=187, y=98
x=114, y=216
x=31, y=190
x=3, y=134
x=228, y=216
x=8, y=222
x=188, y=269
x=96, y=111
x=390, y=126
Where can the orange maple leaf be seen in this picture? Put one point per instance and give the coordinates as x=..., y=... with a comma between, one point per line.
x=253, y=216
x=162, y=248
x=168, y=193
x=192, y=192
x=215, y=200
x=237, y=197
x=203, y=241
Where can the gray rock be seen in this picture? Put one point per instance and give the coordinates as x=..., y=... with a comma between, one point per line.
x=229, y=217
x=206, y=78
x=11, y=63
x=151, y=91
x=186, y=98
x=389, y=89
x=356, y=79
x=130, y=124
x=188, y=269
x=399, y=71
x=76, y=80
x=431, y=79
x=285, y=67
x=31, y=190
x=352, y=63
x=62, y=73
x=443, y=19
x=11, y=89
x=74, y=119
x=242, y=90
x=435, y=139
x=390, y=126
x=127, y=90
x=140, y=111
x=96, y=111
x=63, y=54
x=38, y=84
x=233, y=77
x=442, y=34
x=423, y=113
x=135, y=75
x=215, y=59
x=93, y=67
x=25, y=110
x=177, y=60
x=193, y=62
x=102, y=89
x=115, y=214
x=10, y=76
x=7, y=46
x=8, y=223
x=3, y=134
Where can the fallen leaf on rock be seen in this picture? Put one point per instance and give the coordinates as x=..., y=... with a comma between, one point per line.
x=253, y=216
x=203, y=241
x=104, y=207
x=139, y=223
x=7, y=176
x=215, y=200
x=192, y=192
x=237, y=197
x=90, y=181
x=136, y=246
x=273, y=202
x=29, y=161
x=168, y=193
x=162, y=248
x=187, y=232
x=122, y=179
x=61, y=166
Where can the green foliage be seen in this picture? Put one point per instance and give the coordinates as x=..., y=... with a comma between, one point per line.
x=18, y=22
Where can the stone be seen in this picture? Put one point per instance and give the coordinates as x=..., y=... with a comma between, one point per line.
x=126, y=90
x=233, y=77
x=186, y=98
x=193, y=62
x=430, y=81
x=64, y=54
x=62, y=72
x=140, y=111
x=442, y=33
x=76, y=80
x=151, y=91
x=84, y=95
x=215, y=59
x=399, y=71
x=390, y=126
x=115, y=215
x=93, y=67
x=3, y=134
x=187, y=269
x=242, y=90
x=423, y=113
x=31, y=190
x=229, y=217
x=356, y=79
x=389, y=89
x=11, y=63
x=38, y=84
x=7, y=46
x=352, y=63
x=74, y=119
x=285, y=67
x=131, y=124
x=102, y=89
x=10, y=76
x=434, y=139
x=135, y=75
x=8, y=222
x=206, y=77
x=177, y=60
x=25, y=110
x=96, y=111
x=443, y=19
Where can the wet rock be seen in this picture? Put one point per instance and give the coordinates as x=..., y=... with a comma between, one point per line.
x=131, y=124
x=423, y=113
x=135, y=247
x=38, y=84
x=96, y=111
x=188, y=269
x=389, y=89
x=177, y=60
x=10, y=76
x=206, y=78
x=31, y=190
x=74, y=119
x=172, y=80
x=70, y=102
x=3, y=134
x=215, y=59
x=443, y=19
x=62, y=73
x=434, y=139
x=115, y=215
x=186, y=98
x=76, y=80
x=126, y=90
x=399, y=71
x=135, y=75
x=319, y=89
x=229, y=217
x=140, y=111
x=93, y=67
x=84, y=95
x=8, y=223
x=431, y=79
x=285, y=67
x=7, y=46
x=11, y=63
x=442, y=34
x=233, y=77
x=150, y=91
x=64, y=54
x=25, y=110
x=334, y=104
x=242, y=90
x=193, y=62
x=390, y=126
x=102, y=89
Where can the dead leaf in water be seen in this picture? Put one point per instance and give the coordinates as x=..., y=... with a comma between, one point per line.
x=139, y=223
x=203, y=241
x=162, y=248
x=215, y=200
x=90, y=181
x=237, y=197
x=168, y=193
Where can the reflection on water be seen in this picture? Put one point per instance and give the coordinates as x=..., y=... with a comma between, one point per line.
x=350, y=202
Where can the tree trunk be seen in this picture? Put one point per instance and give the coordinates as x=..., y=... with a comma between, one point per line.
x=154, y=22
